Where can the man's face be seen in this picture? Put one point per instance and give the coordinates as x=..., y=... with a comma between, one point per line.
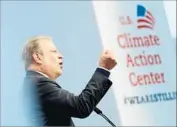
x=52, y=60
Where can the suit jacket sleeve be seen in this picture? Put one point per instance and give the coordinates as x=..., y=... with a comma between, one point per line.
x=59, y=100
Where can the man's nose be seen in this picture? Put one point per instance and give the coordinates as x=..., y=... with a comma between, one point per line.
x=60, y=56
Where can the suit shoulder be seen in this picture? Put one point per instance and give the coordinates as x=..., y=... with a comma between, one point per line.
x=42, y=84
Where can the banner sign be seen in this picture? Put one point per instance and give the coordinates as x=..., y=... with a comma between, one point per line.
x=145, y=77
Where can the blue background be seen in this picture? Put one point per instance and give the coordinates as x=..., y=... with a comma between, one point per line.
x=74, y=30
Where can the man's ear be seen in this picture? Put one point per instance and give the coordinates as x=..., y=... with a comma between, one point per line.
x=37, y=58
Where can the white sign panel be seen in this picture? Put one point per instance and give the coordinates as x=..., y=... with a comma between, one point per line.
x=145, y=78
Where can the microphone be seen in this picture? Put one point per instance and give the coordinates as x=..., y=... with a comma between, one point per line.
x=99, y=112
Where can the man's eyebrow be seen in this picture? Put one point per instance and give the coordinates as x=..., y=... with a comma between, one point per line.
x=53, y=50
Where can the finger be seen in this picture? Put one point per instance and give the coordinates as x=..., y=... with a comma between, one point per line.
x=106, y=51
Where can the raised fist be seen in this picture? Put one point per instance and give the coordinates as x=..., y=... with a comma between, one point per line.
x=107, y=60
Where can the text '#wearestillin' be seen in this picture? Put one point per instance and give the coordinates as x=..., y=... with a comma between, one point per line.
x=150, y=98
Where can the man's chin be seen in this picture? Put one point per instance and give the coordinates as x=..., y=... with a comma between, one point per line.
x=59, y=73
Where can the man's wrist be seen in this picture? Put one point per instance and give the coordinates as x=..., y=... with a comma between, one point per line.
x=104, y=71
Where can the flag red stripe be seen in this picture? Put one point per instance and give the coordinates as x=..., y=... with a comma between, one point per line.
x=151, y=15
x=144, y=21
x=144, y=26
x=149, y=18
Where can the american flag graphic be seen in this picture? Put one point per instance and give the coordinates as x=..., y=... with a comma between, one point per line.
x=144, y=18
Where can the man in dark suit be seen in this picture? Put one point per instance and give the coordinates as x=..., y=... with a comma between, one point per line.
x=43, y=64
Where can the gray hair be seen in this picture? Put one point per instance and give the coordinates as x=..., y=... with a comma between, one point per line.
x=32, y=46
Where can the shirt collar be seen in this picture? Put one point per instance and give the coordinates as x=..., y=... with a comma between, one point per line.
x=42, y=74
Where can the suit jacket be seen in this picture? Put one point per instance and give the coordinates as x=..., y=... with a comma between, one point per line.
x=57, y=105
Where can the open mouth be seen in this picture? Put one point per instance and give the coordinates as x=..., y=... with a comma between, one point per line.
x=61, y=64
